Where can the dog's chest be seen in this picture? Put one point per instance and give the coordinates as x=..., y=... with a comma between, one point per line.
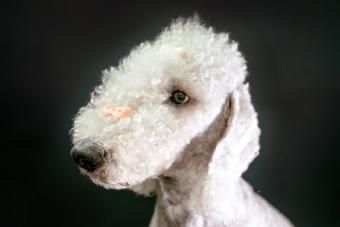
x=182, y=216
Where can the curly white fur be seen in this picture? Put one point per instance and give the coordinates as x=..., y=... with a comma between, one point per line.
x=191, y=156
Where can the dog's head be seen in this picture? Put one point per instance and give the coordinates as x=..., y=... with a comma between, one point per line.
x=148, y=109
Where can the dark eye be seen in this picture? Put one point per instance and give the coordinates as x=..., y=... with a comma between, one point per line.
x=179, y=97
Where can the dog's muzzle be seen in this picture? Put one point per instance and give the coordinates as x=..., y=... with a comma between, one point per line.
x=88, y=155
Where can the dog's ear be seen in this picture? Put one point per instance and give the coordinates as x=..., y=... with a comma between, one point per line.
x=239, y=143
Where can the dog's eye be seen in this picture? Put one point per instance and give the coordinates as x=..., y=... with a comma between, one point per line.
x=179, y=97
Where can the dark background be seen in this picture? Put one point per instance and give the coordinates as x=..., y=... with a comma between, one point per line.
x=57, y=49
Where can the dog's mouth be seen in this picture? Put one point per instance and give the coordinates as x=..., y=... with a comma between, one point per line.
x=111, y=184
x=100, y=178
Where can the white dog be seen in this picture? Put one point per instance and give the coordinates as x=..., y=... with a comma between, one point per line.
x=175, y=119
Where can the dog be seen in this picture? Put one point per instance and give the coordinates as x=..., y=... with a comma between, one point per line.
x=175, y=119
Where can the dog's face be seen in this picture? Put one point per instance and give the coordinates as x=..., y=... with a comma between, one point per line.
x=150, y=107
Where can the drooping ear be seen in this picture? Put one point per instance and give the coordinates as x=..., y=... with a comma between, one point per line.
x=239, y=144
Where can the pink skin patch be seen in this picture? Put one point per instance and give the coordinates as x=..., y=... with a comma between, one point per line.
x=116, y=112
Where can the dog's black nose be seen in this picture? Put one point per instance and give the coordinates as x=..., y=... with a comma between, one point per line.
x=88, y=155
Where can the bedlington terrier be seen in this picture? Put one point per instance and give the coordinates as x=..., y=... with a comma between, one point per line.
x=175, y=119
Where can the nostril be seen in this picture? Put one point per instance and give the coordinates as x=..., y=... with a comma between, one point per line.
x=87, y=156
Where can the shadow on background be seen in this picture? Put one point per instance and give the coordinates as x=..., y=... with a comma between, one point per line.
x=57, y=50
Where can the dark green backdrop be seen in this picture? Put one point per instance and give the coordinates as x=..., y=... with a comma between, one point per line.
x=56, y=50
